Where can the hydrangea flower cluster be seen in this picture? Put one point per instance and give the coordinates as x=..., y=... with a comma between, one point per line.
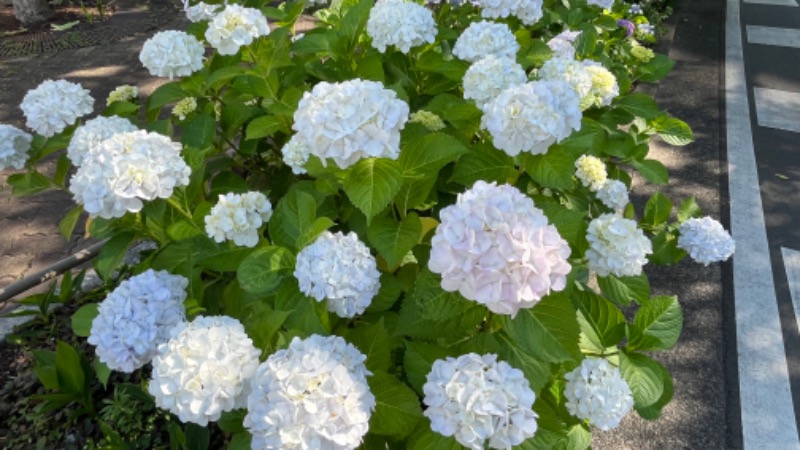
x=484, y=38
x=614, y=194
x=641, y=52
x=562, y=44
x=488, y=77
x=137, y=317
x=314, y=394
x=569, y=70
x=295, y=155
x=204, y=369
x=496, y=248
x=89, y=135
x=475, y=398
x=635, y=10
x=339, y=268
x=528, y=11
x=14, y=146
x=604, y=84
x=124, y=93
x=237, y=218
x=351, y=120
x=646, y=29
x=605, y=4
x=171, y=54
x=401, y=23
x=591, y=170
x=597, y=392
x=184, y=107
x=616, y=246
x=427, y=119
x=706, y=240
x=234, y=27
x=125, y=170
x=200, y=11
x=54, y=105
x=532, y=116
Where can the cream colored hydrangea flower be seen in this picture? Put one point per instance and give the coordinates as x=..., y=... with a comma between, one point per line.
x=427, y=119
x=591, y=170
x=184, y=107
x=124, y=93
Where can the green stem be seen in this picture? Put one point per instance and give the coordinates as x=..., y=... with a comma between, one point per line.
x=180, y=209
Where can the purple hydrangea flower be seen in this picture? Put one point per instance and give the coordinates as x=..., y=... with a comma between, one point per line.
x=628, y=25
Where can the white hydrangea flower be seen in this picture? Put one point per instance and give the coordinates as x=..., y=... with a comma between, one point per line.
x=604, y=84
x=204, y=369
x=484, y=38
x=54, y=105
x=646, y=29
x=597, y=392
x=401, y=23
x=706, y=240
x=312, y=395
x=234, y=27
x=238, y=217
x=14, y=146
x=200, y=11
x=475, y=398
x=569, y=70
x=532, y=116
x=605, y=4
x=488, y=77
x=635, y=10
x=614, y=194
x=427, y=119
x=172, y=53
x=563, y=44
x=89, y=135
x=351, y=120
x=136, y=317
x=122, y=93
x=126, y=169
x=184, y=107
x=340, y=269
x=295, y=155
x=496, y=248
x=616, y=246
x=591, y=170
x=528, y=11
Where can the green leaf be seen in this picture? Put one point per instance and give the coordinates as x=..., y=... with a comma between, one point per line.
x=200, y=131
x=653, y=411
x=354, y=21
x=375, y=342
x=601, y=322
x=82, y=319
x=45, y=368
x=655, y=69
x=231, y=421
x=397, y=408
x=535, y=369
x=262, y=271
x=102, y=372
x=264, y=126
x=424, y=438
x=673, y=131
x=165, y=94
x=549, y=330
x=645, y=378
x=418, y=360
x=657, y=209
x=294, y=223
x=112, y=253
x=198, y=437
x=313, y=43
x=430, y=153
x=67, y=224
x=483, y=162
x=658, y=324
x=553, y=169
x=665, y=249
x=71, y=377
x=415, y=192
x=372, y=183
x=623, y=290
x=183, y=229
x=652, y=170
x=306, y=314
x=638, y=104
x=688, y=210
x=394, y=239
x=435, y=303
x=28, y=183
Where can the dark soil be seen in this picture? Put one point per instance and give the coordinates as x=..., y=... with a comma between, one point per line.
x=63, y=14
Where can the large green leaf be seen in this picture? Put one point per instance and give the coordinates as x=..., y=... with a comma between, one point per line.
x=553, y=169
x=112, y=254
x=483, y=162
x=418, y=360
x=655, y=69
x=294, y=222
x=549, y=330
x=82, y=319
x=657, y=209
x=70, y=369
x=28, y=183
x=200, y=131
x=375, y=343
x=688, y=210
x=67, y=224
x=638, y=104
x=652, y=170
x=536, y=370
x=424, y=438
x=262, y=271
x=397, y=408
x=623, y=290
x=645, y=378
x=429, y=154
x=673, y=131
x=394, y=239
x=306, y=314
x=602, y=323
x=372, y=183
x=658, y=324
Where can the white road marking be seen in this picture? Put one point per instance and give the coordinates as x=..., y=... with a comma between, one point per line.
x=773, y=2
x=777, y=109
x=791, y=263
x=781, y=37
x=768, y=419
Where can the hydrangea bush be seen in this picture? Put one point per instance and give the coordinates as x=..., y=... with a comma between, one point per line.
x=415, y=217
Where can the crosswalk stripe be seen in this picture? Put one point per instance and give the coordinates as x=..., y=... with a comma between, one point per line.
x=768, y=419
x=777, y=109
x=791, y=263
x=773, y=2
x=781, y=37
